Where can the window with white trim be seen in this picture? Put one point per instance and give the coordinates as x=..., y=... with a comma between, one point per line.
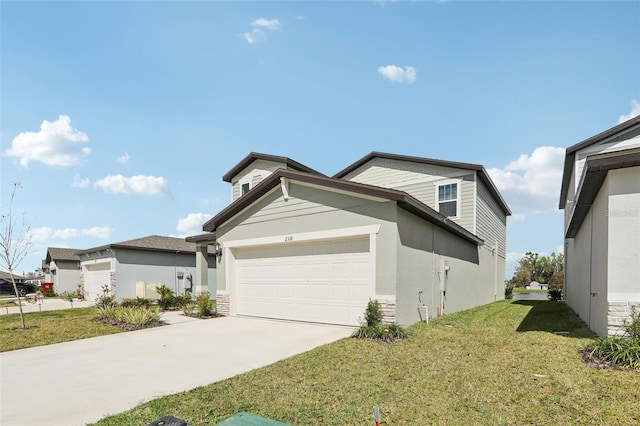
x=245, y=188
x=448, y=199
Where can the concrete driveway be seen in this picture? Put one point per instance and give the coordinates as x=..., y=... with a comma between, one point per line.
x=78, y=382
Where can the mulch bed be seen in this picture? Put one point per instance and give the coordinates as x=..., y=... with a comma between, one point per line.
x=196, y=315
x=598, y=363
x=130, y=327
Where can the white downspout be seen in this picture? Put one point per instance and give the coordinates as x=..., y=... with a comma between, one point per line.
x=495, y=270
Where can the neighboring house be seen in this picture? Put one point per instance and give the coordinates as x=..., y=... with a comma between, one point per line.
x=600, y=196
x=62, y=268
x=7, y=276
x=133, y=268
x=414, y=233
x=535, y=285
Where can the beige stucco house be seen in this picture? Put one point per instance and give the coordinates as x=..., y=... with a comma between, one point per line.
x=422, y=236
x=600, y=196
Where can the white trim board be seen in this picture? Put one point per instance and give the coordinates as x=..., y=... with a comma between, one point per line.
x=304, y=236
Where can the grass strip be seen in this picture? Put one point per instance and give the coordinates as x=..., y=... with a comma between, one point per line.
x=45, y=328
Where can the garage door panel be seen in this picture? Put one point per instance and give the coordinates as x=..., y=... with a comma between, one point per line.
x=327, y=282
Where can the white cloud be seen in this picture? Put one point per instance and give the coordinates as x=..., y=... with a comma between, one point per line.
x=254, y=36
x=79, y=182
x=398, y=74
x=258, y=33
x=270, y=24
x=45, y=234
x=192, y=224
x=531, y=183
x=124, y=158
x=635, y=111
x=135, y=185
x=56, y=144
x=101, y=232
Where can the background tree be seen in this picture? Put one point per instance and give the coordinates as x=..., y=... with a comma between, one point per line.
x=15, y=245
x=543, y=269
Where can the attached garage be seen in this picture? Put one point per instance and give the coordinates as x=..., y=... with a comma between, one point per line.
x=96, y=276
x=326, y=281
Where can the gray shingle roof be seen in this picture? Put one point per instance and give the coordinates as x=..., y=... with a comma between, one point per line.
x=151, y=243
x=7, y=276
x=57, y=254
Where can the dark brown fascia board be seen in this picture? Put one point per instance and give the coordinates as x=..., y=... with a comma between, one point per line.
x=268, y=157
x=208, y=237
x=569, y=159
x=597, y=168
x=404, y=200
x=482, y=172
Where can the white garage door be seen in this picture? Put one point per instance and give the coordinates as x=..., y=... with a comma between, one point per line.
x=95, y=277
x=327, y=282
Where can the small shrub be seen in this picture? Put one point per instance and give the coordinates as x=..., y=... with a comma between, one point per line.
x=185, y=303
x=49, y=293
x=205, y=305
x=554, y=294
x=135, y=317
x=138, y=316
x=373, y=314
x=396, y=331
x=623, y=350
x=167, y=299
x=508, y=290
x=382, y=332
x=80, y=291
x=139, y=302
x=107, y=312
x=107, y=298
x=631, y=326
x=373, y=328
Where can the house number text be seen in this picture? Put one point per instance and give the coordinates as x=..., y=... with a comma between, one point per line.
x=288, y=239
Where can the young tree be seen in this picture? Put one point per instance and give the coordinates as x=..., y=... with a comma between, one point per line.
x=15, y=245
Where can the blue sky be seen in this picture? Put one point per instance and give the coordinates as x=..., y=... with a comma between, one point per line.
x=120, y=118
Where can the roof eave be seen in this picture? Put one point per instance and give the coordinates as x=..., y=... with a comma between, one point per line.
x=253, y=156
x=597, y=168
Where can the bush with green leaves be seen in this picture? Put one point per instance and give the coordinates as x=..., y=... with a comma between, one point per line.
x=373, y=315
x=373, y=328
x=508, y=290
x=135, y=316
x=554, y=294
x=137, y=302
x=108, y=298
x=206, y=306
x=622, y=350
x=167, y=298
x=185, y=303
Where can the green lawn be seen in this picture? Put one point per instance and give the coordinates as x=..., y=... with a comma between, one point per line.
x=496, y=364
x=527, y=290
x=45, y=328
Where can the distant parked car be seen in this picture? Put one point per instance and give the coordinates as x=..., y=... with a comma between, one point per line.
x=6, y=287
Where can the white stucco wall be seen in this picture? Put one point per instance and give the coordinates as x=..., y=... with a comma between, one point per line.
x=624, y=235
